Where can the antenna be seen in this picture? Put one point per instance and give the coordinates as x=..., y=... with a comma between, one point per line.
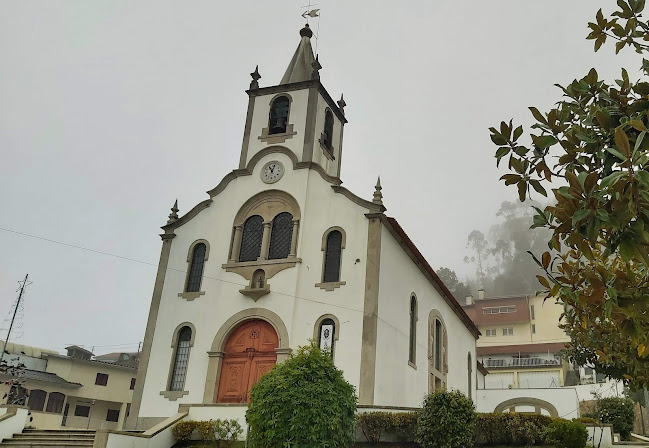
x=24, y=284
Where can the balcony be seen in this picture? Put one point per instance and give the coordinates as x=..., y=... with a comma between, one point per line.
x=522, y=362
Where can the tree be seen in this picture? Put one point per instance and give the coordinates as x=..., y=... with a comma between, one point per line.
x=303, y=402
x=590, y=151
x=449, y=277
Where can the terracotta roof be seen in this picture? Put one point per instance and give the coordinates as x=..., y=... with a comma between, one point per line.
x=551, y=347
x=46, y=377
x=445, y=293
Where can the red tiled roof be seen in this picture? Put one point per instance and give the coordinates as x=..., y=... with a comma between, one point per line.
x=552, y=347
x=446, y=294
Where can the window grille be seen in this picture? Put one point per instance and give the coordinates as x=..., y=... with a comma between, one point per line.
x=55, y=403
x=196, y=268
x=327, y=334
x=328, y=129
x=413, y=329
x=333, y=254
x=37, y=400
x=278, y=117
x=253, y=233
x=181, y=359
x=280, y=236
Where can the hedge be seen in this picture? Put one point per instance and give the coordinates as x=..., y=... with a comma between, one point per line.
x=375, y=425
x=512, y=429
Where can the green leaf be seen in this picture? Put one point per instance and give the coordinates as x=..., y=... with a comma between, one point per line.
x=544, y=141
x=616, y=153
x=637, y=125
x=538, y=187
x=498, y=139
x=627, y=250
x=622, y=142
x=502, y=152
x=643, y=177
x=537, y=115
x=579, y=215
x=522, y=190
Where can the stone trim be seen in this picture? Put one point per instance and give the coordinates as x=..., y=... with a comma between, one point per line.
x=189, y=296
x=434, y=316
x=271, y=267
x=187, y=216
x=314, y=166
x=412, y=364
x=246, y=133
x=265, y=204
x=316, y=327
x=309, y=131
x=173, y=395
x=218, y=345
x=174, y=339
x=369, y=205
x=330, y=286
x=150, y=329
x=190, y=252
x=370, y=312
x=273, y=139
x=528, y=401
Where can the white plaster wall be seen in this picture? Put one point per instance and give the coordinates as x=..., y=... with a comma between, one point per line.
x=609, y=389
x=222, y=412
x=563, y=399
x=294, y=297
x=14, y=424
x=397, y=383
x=297, y=117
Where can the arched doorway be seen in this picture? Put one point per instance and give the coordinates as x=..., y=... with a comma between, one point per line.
x=249, y=353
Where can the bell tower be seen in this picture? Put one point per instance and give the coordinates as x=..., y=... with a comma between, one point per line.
x=298, y=114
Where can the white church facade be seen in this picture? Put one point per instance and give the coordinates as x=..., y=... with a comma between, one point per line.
x=280, y=254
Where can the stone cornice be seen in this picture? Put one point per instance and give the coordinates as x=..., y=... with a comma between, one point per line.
x=371, y=206
x=187, y=216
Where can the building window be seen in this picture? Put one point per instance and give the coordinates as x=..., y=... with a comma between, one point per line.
x=36, y=400
x=278, y=117
x=491, y=332
x=81, y=411
x=499, y=310
x=412, y=349
x=328, y=130
x=253, y=233
x=532, y=311
x=112, y=415
x=132, y=384
x=327, y=336
x=333, y=256
x=101, y=379
x=533, y=328
x=437, y=352
x=508, y=331
x=196, y=268
x=280, y=236
x=55, y=403
x=470, y=374
x=181, y=359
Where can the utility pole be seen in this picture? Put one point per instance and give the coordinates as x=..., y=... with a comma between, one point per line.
x=13, y=318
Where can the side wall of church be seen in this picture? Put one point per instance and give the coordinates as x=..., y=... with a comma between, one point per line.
x=294, y=296
x=397, y=382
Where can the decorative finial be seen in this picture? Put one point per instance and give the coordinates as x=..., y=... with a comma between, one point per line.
x=255, y=77
x=342, y=104
x=306, y=31
x=378, y=197
x=316, y=68
x=173, y=216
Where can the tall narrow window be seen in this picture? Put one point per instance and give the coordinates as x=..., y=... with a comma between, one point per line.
x=326, y=336
x=55, y=402
x=37, y=400
x=333, y=254
x=278, y=117
x=532, y=311
x=196, y=268
x=438, y=345
x=413, y=329
x=328, y=129
x=280, y=236
x=470, y=374
x=181, y=359
x=253, y=233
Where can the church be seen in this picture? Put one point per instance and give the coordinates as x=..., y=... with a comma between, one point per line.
x=281, y=254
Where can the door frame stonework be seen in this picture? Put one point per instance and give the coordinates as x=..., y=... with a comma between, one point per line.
x=218, y=345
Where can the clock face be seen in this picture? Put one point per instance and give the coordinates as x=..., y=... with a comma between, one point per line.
x=272, y=172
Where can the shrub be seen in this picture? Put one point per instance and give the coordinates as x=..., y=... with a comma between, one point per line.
x=404, y=424
x=565, y=434
x=205, y=430
x=618, y=412
x=446, y=421
x=374, y=424
x=183, y=430
x=511, y=429
x=586, y=420
x=304, y=402
x=226, y=432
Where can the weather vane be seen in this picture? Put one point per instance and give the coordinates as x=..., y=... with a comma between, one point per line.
x=313, y=13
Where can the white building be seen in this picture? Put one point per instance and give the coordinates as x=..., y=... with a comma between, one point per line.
x=281, y=253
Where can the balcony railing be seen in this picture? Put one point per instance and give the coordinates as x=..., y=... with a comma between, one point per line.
x=522, y=362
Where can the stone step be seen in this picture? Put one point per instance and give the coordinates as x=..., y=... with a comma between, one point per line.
x=59, y=431
x=65, y=436
x=45, y=443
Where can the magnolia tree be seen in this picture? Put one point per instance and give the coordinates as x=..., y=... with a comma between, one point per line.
x=592, y=153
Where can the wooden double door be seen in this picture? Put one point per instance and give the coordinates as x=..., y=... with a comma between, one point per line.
x=249, y=353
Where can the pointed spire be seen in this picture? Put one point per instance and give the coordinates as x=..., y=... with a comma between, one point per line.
x=173, y=216
x=341, y=103
x=255, y=77
x=301, y=66
x=315, y=74
x=378, y=196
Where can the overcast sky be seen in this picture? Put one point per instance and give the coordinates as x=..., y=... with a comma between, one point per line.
x=110, y=110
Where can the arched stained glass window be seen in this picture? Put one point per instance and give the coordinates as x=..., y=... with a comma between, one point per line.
x=36, y=400
x=280, y=236
x=196, y=268
x=278, y=117
x=326, y=335
x=333, y=254
x=328, y=129
x=413, y=329
x=253, y=233
x=181, y=359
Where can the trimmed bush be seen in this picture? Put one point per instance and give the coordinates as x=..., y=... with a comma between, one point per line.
x=511, y=429
x=619, y=412
x=226, y=432
x=304, y=403
x=447, y=420
x=566, y=434
x=205, y=430
x=404, y=424
x=183, y=430
x=374, y=425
